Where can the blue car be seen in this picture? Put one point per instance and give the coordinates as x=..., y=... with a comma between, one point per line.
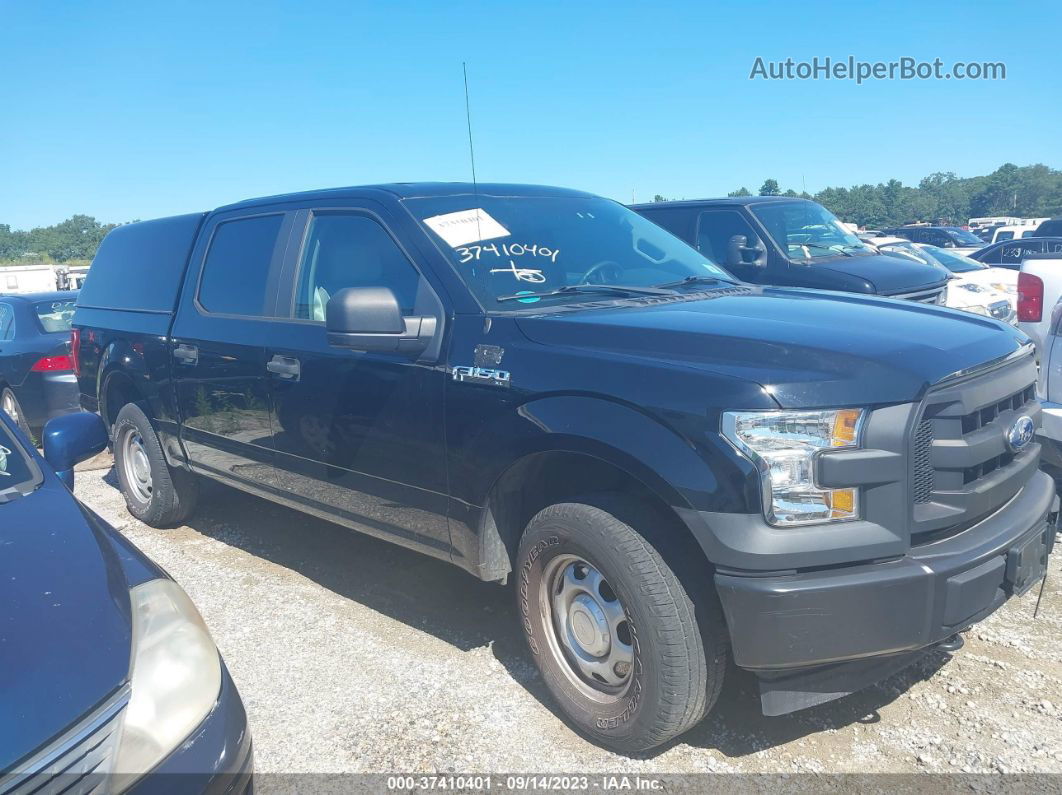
x=36, y=372
x=109, y=679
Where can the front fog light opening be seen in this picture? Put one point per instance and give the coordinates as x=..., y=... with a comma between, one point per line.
x=785, y=445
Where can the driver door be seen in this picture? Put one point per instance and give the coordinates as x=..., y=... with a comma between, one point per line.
x=358, y=435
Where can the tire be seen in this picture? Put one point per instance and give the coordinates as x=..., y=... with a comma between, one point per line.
x=675, y=628
x=155, y=493
x=9, y=405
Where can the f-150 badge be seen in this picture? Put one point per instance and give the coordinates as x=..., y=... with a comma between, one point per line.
x=481, y=375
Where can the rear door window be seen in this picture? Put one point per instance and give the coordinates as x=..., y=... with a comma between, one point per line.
x=7, y=322
x=236, y=272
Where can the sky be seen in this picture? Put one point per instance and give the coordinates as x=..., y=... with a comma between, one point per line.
x=133, y=110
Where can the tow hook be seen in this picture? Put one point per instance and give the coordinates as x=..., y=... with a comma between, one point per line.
x=952, y=644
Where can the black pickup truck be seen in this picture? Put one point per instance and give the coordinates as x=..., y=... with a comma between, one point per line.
x=677, y=469
x=793, y=242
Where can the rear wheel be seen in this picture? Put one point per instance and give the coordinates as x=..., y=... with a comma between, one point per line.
x=155, y=493
x=633, y=654
x=13, y=409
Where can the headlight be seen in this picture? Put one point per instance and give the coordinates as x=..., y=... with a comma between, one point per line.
x=784, y=444
x=175, y=677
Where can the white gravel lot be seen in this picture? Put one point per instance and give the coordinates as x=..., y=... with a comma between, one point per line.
x=354, y=655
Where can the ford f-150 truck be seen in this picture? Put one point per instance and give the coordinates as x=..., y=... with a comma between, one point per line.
x=674, y=468
x=792, y=242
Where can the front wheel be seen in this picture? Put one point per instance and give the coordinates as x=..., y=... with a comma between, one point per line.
x=632, y=655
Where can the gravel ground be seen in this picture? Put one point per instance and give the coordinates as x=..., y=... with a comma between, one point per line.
x=354, y=655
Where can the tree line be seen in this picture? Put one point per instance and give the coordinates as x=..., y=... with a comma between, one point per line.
x=1025, y=191
x=76, y=238
x=942, y=197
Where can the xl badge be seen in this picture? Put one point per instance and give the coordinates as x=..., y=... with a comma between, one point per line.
x=481, y=375
x=1020, y=434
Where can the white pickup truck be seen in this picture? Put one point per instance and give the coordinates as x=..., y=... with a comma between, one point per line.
x=1039, y=316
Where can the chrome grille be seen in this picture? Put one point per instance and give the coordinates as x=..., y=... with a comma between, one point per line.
x=962, y=467
x=933, y=296
x=78, y=762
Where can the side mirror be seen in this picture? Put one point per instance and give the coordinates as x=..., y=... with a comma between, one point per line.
x=740, y=251
x=949, y=244
x=71, y=439
x=369, y=319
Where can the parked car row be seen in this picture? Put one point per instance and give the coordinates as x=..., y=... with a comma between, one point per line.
x=679, y=456
x=793, y=243
x=972, y=286
x=36, y=373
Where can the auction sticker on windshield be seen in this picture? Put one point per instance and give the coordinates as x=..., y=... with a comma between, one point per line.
x=466, y=226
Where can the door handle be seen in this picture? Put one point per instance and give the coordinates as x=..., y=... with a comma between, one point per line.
x=284, y=366
x=186, y=354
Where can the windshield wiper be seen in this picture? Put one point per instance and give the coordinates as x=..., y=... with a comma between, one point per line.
x=694, y=280
x=588, y=288
x=824, y=248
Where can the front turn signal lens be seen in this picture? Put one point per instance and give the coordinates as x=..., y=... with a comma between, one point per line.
x=845, y=427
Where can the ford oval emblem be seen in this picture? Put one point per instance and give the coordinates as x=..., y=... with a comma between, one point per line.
x=1020, y=433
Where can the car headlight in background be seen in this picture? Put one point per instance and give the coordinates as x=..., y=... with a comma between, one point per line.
x=175, y=677
x=784, y=444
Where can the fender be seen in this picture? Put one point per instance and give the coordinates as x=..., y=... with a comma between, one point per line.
x=119, y=356
x=622, y=435
x=148, y=375
x=626, y=436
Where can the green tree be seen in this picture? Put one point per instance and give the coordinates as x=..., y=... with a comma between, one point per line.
x=740, y=192
x=769, y=187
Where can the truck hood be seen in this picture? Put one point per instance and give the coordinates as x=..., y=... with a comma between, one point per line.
x=65, y=627
x=888, y=275
x=806, y=348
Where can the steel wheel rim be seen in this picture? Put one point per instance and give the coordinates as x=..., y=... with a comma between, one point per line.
x=587, y=626
x=137, y=466
x=10, y=407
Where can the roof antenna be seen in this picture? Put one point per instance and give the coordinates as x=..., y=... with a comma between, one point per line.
x=471, y=151
x=468, y=119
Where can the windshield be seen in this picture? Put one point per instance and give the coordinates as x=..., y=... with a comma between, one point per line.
x=55, y=315
x=502, y=246
x=15, y=471
x=956, y=263
x=964, y=238
x=806, y=231
x=907, y=250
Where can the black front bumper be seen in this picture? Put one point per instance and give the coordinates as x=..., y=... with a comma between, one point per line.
x=817, y=635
